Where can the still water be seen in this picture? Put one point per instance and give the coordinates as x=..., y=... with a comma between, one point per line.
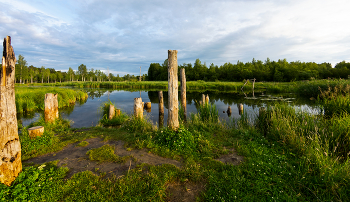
x=89, y=113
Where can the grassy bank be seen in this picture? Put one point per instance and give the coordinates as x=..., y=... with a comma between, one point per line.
x=31, y=99
x=288, y=156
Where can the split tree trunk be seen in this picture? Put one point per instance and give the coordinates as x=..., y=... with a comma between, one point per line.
x=51, y=107
x=10, y=147
x=183, y=92
x=173, y=110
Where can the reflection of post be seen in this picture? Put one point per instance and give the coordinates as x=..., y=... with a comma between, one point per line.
x=138, y=108
x=161, y=109
x=173, y=99
x=183, y=92
x=10, y=147
x=240, y=109
x=253, y=86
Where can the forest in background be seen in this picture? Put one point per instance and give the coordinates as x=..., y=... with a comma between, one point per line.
x=280, y=71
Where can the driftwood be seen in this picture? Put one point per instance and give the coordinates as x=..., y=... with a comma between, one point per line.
x=173, y=110
x=10, y=147
x=36, y=131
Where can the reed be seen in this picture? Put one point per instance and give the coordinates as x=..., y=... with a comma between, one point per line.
x=31, y=99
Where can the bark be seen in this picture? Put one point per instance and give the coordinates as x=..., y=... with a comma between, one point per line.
x=173, y=110
x=51, y=107
x=10, y=147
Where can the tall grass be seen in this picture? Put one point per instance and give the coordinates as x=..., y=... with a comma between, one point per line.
x=32, y=99
x=208, y=113
x=116, y=120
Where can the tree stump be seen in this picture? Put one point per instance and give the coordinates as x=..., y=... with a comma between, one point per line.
x=207, y=99
x=117, y=112
x=10, y=147
x=173, y=110
x=203, y=99
x=138, y=108
x=148, y=107
x=36, y=131
x=183, y=92
x=111, y=113
x=51, y=107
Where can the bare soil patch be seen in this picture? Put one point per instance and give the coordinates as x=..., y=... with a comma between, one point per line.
x=184, y=192
x=232, y=158
x=76, y=160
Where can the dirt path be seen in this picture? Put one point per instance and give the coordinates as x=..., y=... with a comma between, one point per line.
x=76, y=160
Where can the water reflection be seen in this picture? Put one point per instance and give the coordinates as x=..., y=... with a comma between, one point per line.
x=88, y=113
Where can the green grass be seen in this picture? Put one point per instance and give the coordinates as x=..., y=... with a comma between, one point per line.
x=32, y=99
x=82, y=144
x=106, y=154
x=116, y=120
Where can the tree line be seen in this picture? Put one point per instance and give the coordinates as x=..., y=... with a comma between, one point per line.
x=31, y=74
x=280, y=70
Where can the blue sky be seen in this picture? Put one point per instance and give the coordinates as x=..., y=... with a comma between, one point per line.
x=124, y=35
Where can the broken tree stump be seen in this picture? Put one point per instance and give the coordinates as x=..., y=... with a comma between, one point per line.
x=36, y=131
x=173, y=110
x=183, y=92
x=138, y=108
x=111, y=113
x=117, y=112
x=51, y=107
x=10, y=147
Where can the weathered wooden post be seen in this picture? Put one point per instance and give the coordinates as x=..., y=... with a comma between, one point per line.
x=138, y=108
x=253, y=86
x=203, y=99
x=207, y=99
x=148, y=107
x=10, y=147
x=51, y=107
x=183, y=92
x=111, y=113
x=173, y=110
x=240, y=109
x=229, y=111
x=161, y=109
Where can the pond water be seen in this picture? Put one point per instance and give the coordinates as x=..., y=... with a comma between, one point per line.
x=88, y=113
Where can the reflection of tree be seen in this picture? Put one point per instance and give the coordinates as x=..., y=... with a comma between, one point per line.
x=95, y=93
x=68, y=110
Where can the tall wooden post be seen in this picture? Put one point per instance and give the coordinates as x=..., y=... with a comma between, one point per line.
x=161, y=109
x=183, y=92
x=138, y=108
x=111, y=113
x=10, y=147
x=253, y=86
x=51, y=107
x=207, y=99
x=173, y=111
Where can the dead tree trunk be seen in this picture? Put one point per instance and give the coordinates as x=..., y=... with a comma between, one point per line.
x=10, y=147
x=51, y=107
x=138, y=108
x=173, y=111
x=111, y=113
x=183, y=92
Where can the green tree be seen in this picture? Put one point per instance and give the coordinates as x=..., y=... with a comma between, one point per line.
x=22, y=64
x=71, y=73
x=82, y=71
x=47, y=73
x=42, y=72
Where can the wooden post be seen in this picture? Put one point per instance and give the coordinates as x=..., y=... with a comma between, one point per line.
x=117, y=112
x=161, y=109
x=10, y=147
x=253, y=86
x=111, y=113
x=207, y=99
x=183, y=92
x=173, y=110
x=36, y=131
x=203, y=99
x=240, y=109
x=148, y=107
x=244, y=84
x=229, y=111
x=138, y=108
x=51, y=107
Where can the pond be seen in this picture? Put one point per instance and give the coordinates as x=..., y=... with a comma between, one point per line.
x=88, y=113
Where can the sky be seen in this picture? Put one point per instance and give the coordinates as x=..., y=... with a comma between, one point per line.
x=123, y=35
